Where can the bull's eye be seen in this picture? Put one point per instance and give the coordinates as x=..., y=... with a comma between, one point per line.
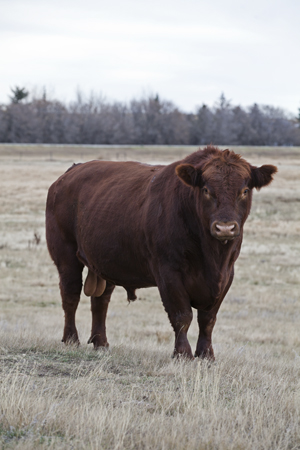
x=245, y=192
x=205, y=190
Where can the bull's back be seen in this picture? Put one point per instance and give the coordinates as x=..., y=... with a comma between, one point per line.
x=85, y=186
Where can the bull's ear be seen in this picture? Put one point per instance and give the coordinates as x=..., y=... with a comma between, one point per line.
x=189, y=175
x=262, y=176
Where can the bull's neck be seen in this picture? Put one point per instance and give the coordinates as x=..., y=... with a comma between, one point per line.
x=221, y=255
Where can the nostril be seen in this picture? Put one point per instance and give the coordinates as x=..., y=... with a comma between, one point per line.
x=224, y=228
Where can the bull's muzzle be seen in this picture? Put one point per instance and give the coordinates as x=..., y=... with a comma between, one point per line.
x=225, y=231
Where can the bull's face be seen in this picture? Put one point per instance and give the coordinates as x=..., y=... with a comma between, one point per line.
x=223, y=191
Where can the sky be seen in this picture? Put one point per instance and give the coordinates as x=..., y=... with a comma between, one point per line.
x=187, y=51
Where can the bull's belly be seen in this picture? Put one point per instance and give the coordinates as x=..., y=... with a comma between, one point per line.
x=119, y=270
x=128, y=281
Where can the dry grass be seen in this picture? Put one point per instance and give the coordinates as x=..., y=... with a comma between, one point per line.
x=135, y=396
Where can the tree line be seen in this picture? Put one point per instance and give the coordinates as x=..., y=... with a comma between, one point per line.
x=147, y=120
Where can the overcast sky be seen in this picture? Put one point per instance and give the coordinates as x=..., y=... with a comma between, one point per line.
x=188, y=51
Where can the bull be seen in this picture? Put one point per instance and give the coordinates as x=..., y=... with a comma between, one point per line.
x=178, y=227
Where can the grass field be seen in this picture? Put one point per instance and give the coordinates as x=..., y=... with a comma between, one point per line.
x=135, y=396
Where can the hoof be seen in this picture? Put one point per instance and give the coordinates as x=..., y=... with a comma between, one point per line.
x=71, y=341
x=98, y=342
x=101, y=348
x=206, y=356
x=183, y=356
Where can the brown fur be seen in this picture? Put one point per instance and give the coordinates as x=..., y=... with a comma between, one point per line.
x=178, y=227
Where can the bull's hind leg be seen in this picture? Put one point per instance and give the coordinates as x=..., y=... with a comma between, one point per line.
x=99, y=306
x=70, y=274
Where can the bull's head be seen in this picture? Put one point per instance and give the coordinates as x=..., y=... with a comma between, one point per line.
x=223, y=183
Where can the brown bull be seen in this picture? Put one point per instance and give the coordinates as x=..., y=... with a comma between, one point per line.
x=178, y=227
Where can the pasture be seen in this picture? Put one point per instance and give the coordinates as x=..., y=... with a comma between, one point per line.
x=135, y=396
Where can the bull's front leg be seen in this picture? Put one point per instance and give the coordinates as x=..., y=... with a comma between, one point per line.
x=177, y=305
x=180, y=322
x=206, y=321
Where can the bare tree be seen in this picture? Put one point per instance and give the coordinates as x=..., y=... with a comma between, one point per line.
x=147, y=120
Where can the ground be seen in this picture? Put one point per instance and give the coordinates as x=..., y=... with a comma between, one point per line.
x=135, y=396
